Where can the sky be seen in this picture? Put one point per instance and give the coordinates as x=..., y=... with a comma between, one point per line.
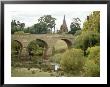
x=29, y=14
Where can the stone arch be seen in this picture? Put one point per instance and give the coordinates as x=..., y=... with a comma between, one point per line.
x=20, y=50
x=45, y=43
x=68, y=42
x=45, y=48
x=18, y=42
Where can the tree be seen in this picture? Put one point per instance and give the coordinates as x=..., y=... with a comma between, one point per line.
x=22, y=25
x=87, y=39
x=93, y=22
x=35, y=49
x=17, y=26
x=75, y=25
x=40, y=28
x=72, y=61
x=92, y=63
x=13, y=26
x=49, y=20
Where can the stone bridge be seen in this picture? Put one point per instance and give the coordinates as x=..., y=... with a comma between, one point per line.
x=49, y=40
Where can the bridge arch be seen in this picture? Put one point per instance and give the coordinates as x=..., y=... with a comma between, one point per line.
x=68, y=42
x=41, y=43
x=18, y=42
x=16, y=47
x=21, y=45
x=45, y=47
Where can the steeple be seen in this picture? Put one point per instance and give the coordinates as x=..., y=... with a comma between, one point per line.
x=63, y=27
x=64, y=21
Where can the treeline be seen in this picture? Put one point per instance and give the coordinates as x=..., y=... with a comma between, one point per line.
x=46, y=24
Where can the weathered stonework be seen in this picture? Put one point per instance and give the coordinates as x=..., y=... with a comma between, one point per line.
x=49, y=39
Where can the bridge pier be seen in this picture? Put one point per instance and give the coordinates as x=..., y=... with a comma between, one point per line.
x=50, y=51
x=24, y=53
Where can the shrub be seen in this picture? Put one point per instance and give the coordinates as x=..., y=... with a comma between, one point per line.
x=33, y=72
x=94, y=53
x=78, y=32
x=72, y=61
x=19, y=32
x=87, y=39
x=91, y=68
x=92, y=64
x=56, y=58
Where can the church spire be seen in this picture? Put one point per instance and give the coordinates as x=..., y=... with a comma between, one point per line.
x=64, y=21
x=63, y=27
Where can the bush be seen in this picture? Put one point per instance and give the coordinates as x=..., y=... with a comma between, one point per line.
x=94, y=53
x=19, y=32
x=92, y=64
x=91, y=68
x=56, y=58
x=72, y=61
x=87, y=39
x=33, y=72
x=78, y=32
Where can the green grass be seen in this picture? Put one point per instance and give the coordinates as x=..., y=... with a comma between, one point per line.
x=24, y=72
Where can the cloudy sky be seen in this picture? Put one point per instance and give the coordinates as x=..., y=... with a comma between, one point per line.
x=29, y=14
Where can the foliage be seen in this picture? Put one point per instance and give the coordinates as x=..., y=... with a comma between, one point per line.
x=78, y=32
x=72, y=61
x=75, y=25
x=92, y=63
x=91, y=69
x=16, y=47
x=56, y=58
x=48, y=20
x=19, y=32
x=94, y=53
x=87, y=39
x=44, y=25
x=34, y=49
x=93, y=22
x=40, y=28
x=17, y=26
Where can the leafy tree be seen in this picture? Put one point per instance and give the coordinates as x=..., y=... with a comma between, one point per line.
x=35, y=49
x=13, y=26
x=94, y=53
x=78, y=32
x=93, y=22
x=40, y=28
x=17, y=26
x=75, y=25
x=87, y=39
x=72, y=61
x=49, y=20
x=92, y=63
x=22, y=25
x=27, y=30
